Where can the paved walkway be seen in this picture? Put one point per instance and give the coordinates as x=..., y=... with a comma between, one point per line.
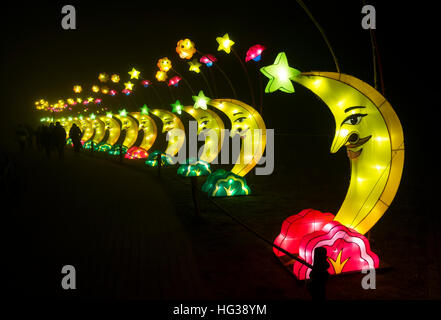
x=117, y=227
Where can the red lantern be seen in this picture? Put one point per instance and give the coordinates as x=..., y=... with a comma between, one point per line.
x=346, y=249
x=136, y=153
x=295, y=227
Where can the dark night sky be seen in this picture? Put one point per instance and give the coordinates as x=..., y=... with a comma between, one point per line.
x=40, y=59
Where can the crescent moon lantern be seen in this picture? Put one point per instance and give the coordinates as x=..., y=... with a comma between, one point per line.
x=212, y=124
x=248, y=123
x=369, y=128
x=129, y=124
x=87, y=129
x=113, y=127
x=100, y=131
x=146, y=124
x=171, y=124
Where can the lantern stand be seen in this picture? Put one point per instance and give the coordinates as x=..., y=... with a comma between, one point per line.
x=159, y=160
x=193, y=169
x=194, y=193
x=121, y=152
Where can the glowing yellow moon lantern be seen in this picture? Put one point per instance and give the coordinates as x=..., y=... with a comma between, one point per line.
x=248, y=123
x=86, y=127
x=67, y=124
x=210, y=123
x=171, y=123
x=114, y=129
x=146, y=124
x=129, y=124
x=370, y=130
x=100, y=130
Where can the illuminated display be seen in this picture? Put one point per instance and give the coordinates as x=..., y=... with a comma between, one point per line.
x=185, y=48
x=174, y=128
x=370, y=130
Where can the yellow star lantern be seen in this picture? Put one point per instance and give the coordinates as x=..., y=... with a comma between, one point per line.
x=77, y=89
x=164, y=64
x=103, y=77
x=161, y=75
x=114, y=78
x=195, y=66
x=224, y=43
x=95, y=88
x=134, y=74
x=128, y=85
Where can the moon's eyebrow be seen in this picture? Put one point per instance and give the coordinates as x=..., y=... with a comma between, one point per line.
x=237, y=113
x=352, y=108
x=203, y=117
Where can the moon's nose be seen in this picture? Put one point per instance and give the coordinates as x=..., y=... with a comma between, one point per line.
x=340, y=139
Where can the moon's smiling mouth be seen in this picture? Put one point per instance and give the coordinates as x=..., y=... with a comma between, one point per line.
x=355, y=143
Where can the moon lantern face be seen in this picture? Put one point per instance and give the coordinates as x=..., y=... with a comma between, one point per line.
x=87, y=128
x=246, y=122
x=114, y=129
x=173, y=126
x=213, y=127
x=146, y=124
x=129, y=124
x=371, y=132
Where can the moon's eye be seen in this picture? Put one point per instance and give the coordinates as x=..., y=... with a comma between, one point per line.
x=203, y=123
x=354, y=119
x=169, y=123
x=240, y=120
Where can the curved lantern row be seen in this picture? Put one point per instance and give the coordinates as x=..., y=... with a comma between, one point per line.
x=366, y=125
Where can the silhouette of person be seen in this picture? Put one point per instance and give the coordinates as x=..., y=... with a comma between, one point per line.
x=59, y=139
x=51, y=136
x=319, y=275
x=75, y=135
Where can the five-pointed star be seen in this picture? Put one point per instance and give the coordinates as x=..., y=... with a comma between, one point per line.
x=128, y=85
x=280, y=75
x=195, y=65
x=224, y=43
x=177, y=107
x=134, y=74
x=200, y=101
x=123, y=112
x=145, y=110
